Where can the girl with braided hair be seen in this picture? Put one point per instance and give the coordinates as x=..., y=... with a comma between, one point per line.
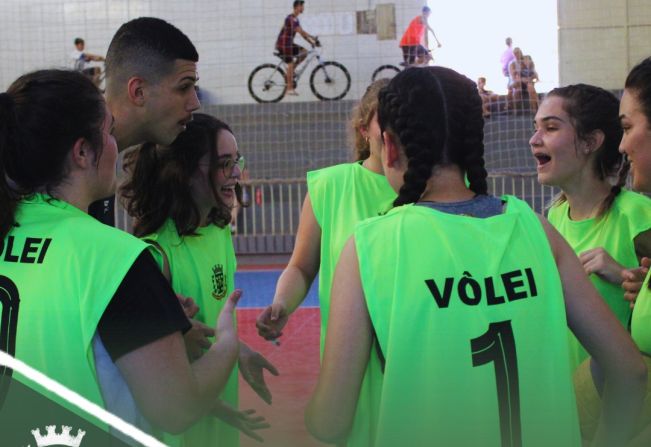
x=458, y=288
x=338, y=197
x=576, y=147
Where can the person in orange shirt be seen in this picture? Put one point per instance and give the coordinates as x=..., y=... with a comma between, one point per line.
x=414, y=43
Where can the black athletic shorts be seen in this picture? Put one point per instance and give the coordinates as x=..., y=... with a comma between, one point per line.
x=287, y=54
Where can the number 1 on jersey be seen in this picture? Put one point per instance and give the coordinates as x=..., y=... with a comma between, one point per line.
x=497, y=345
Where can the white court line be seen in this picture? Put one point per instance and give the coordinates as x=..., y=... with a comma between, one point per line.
x=79, y=401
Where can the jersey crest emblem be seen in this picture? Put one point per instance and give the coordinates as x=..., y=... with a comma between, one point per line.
x=218, y=282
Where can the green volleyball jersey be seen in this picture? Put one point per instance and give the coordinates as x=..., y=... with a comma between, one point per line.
x=59, y=269
x=629, y=216
x=641, y=320
x=203, y=268
x=470, y=317
x=341, y=196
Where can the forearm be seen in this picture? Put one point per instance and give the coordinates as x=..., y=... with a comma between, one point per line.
x=170, y=392
x=292, y=288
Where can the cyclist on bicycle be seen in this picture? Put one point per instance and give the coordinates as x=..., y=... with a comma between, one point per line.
x=288, y=49
x=80, y=58
x=413, y=50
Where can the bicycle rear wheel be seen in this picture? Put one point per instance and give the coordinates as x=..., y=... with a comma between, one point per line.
x=330, y=81
x=385, y=71
x=267, y=83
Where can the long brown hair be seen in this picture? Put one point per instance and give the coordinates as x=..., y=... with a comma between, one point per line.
x=159, y=188
x=592, y=108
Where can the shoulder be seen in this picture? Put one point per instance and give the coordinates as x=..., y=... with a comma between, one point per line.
x=332, y=173
x=628, y=198
x=633, y=207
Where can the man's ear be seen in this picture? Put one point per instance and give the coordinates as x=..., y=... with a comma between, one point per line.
x=135, y=91
x=82, y=155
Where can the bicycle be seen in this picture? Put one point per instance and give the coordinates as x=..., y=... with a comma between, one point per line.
x=329, y=81
x=389, y=70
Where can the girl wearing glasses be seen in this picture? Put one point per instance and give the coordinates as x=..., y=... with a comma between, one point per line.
x=181, y=198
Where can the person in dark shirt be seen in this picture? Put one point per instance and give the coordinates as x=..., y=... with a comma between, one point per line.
x=291, y=53
x=151, y=73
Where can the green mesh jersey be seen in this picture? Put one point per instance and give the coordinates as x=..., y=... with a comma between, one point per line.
x=203, y=268
x=59, y=269
x=629, y=216
x=641, y=319
x=470, y=317
x=342, y=196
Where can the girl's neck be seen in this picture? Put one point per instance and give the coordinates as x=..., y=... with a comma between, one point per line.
x=585, y=197
x=446, y=184
x=373, y=164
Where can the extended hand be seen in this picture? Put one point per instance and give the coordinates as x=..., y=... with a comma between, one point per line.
x=271, y=321
x=252, y=365
x=245, y=421
x=598, y=261
x=633, y=279
x=196, y=339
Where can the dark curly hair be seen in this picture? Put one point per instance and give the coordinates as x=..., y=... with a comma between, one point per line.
x=159, y=188
x=436, y=115
x=592, y=108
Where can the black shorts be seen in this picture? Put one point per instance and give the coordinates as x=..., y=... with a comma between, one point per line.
x=410, y=53
x=287, y=54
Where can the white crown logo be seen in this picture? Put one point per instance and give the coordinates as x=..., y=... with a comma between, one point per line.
x=53, y=438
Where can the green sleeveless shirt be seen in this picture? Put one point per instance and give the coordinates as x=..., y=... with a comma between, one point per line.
x=59, y=269
x=641, y=320
x=470, y=317
x=629, y=216
x=203, y=268
x=341, y=196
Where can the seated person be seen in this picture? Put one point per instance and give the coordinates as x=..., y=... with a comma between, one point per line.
x=80, y=59
x=487, y=97
x=529, y=76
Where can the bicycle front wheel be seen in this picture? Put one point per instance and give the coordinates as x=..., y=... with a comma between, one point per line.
x=385, y=71
x=330, y=81
x=267, y=83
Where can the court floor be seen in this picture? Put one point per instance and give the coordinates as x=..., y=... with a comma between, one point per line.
x=296, y=358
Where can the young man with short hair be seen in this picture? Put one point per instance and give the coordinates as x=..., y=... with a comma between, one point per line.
x=151, y=73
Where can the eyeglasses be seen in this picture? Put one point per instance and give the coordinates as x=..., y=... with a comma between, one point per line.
x=229, y=164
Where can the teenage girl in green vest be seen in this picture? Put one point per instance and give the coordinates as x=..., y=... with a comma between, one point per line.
x=181, y=197
x=71, y=285
x=635, y=118
x=338, y=197
x=467, y=296
x=576, y=146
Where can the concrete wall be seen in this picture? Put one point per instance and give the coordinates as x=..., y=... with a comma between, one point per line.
x=232, y=36
x=601, y=40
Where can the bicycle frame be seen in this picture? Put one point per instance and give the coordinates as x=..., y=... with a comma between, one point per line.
x=313, y=53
